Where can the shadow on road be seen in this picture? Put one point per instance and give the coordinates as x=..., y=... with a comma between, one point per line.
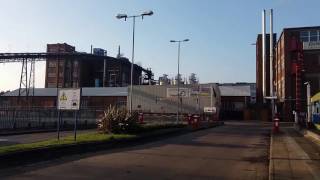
x=232, y=136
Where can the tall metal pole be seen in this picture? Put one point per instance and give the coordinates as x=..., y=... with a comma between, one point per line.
x=264, y=54
x=271, y=62
x=104, y=73
x=178, y=81
x=125, y=16
x=211, y=96
x=132, y=62
x=309, y=104
x=59, y=113
x=178, y=76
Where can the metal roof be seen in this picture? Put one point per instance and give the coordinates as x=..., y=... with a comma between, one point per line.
x=235, y=90
x=100, y=92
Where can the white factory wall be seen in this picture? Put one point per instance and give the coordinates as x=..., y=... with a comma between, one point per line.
x=155, y=99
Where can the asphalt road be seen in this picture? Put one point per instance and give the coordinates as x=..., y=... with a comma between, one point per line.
x=238, y=150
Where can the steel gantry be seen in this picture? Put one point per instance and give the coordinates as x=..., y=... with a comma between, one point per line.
x=28, y=60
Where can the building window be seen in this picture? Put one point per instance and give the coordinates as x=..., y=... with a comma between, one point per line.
x=304, y=36
x=313, y=35
x=52, y=64
x=51, y=74
x=52, y=85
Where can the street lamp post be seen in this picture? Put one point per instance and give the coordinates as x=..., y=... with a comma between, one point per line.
x=178, y=78
x=125, y=17
x=308, y=103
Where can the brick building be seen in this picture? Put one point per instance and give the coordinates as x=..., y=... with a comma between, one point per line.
x=99, y=98
x=259, y=67
x=297, y=61
x=61, y=66
x=90, y=70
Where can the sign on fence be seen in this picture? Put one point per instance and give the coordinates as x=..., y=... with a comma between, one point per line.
x=173, y=92
x=69, y=99
x=210, y=110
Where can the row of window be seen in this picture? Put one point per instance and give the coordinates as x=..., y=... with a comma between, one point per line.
x=312, y=35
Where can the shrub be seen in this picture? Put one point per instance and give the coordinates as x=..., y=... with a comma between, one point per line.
x=118, y=121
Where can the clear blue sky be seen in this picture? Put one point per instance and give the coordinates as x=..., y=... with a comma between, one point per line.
x=220, y=32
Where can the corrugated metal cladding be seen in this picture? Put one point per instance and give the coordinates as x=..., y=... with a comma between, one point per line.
x=235, y=90
x=155, y=99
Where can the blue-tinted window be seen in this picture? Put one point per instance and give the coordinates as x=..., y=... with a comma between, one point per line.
x=304, y=39
x=313, y=35
x=304, y=33
x=304, y=36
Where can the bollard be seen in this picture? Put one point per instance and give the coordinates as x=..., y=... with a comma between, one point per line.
x=141, y=118
x=189, y=119
x=195, y=124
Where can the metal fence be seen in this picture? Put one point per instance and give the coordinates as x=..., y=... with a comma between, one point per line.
x=157, y=118
x=35, y=118
x=45, y=118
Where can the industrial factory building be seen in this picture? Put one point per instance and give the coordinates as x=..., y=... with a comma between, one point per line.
x=296, y=61
x=99, y=98
x=259, y=67
x=91, y=70
x=43, y=111
x=150, y=99
x=164, y=98
x=237, y=100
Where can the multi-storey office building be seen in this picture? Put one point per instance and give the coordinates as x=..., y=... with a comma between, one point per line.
x=297, y=61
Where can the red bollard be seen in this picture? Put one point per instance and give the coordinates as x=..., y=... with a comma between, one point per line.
x=195, y=124
x=141, y=118
x=189, y=119
x=276, y=123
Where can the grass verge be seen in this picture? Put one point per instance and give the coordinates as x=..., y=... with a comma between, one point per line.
x=84, y=138
x=69, y=140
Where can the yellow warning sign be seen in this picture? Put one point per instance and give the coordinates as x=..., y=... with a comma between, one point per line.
x=63, y=97
x=68, y=99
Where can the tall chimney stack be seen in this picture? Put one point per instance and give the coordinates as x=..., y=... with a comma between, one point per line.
x=264, y=55
x=271, y=62
x=271, y=52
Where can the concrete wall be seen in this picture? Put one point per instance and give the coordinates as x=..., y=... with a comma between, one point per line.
x=155, y=99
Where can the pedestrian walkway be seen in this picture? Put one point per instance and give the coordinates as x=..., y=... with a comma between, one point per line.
x=293, y=157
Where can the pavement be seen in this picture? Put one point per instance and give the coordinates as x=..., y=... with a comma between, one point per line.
x=293, y=156
x=6, y=140
x=237, y=150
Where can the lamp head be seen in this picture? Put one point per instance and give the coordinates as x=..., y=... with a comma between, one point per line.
x=121, y=16
x=147, y=13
